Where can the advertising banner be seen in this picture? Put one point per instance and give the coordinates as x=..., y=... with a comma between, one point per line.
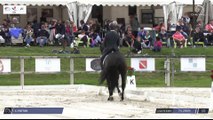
x=93, y=64
x=47, y=65
x=193, y=64
x=143, y=64
x=5, y=65
x=14, y=9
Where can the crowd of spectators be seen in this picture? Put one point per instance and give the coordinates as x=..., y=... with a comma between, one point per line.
x=54, y=32
x=91, y=34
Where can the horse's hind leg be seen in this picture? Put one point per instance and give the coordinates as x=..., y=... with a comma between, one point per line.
x=122, y=94
x=110, y=88
x=119, y=91
x=123, y=85
x=117, y=84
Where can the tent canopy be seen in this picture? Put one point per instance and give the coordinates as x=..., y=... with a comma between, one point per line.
x=98, y=2
x=136, y=2
x=35, y=2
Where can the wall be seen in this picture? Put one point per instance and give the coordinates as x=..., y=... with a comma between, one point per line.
x=59, y=12
x=109, y=12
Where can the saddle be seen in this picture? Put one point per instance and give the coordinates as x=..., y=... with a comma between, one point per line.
x=105, y=54
x=106, y=57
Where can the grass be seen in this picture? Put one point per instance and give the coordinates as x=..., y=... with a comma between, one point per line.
x=143, y=79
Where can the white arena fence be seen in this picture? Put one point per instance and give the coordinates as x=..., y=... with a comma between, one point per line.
x=168, y=66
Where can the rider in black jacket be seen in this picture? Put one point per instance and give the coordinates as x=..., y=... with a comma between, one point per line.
x=111, y=42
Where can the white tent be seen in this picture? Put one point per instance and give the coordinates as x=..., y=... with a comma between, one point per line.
x=81, y=9
x=172, y=7
x=136, y=2
x=99, y=2
x=205, y=12
x=35, y=2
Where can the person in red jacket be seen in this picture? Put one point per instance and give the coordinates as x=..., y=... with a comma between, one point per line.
x=179, y=38
x=209, y=29
x=157, y=45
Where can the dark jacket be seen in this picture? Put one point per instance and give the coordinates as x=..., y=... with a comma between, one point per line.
x=110, y=43
x=112, y=40
x=43, y=33
x=60, y=28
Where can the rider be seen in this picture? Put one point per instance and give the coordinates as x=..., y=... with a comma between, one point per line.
x=111, y=41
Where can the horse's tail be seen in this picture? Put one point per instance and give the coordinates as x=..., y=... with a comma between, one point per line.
x=103, y=77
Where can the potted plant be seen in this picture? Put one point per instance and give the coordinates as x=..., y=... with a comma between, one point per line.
x=130, y=71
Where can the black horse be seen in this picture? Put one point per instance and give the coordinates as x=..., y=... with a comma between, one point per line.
x=114, y=64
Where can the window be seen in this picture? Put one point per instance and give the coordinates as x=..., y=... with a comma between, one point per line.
x=132, y=10
x=158, y=20
x=97, y=11
x=147, y=16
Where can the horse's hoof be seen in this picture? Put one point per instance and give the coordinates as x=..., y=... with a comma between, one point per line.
x=110, y=99
x=122, y=99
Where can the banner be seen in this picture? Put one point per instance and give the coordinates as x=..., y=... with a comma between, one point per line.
x=143, y=64
x=5, y=65
x=93, y=64
x=37, y=110
x=47, y=65
x=14, y=9
x=193, y=64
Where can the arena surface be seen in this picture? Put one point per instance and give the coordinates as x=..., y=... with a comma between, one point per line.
x=85, y=101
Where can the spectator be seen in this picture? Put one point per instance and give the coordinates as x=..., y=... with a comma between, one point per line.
x=163, y=35
x=106, y=27
x=158, y=27
x=68, y=32
x=74, y=28
x=186, y=18
x=136, y=45
x=178, y=38
x=84, y=26
x=2, y=35
x=42, y=36
x=127, y=39
x=5, y=28
x=147, y=40
x=184, y=29
x=52, y=31
x=95, y=39
x=35, y=27
x=142, y=33
x=60, y=30
x=209, y=29
x=157, y=45
x=28, y=37
x=198, y=36
x=83, y=37
x=134, y=24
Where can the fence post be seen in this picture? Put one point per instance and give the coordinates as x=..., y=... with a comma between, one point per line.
x=211, y=98
x=71, y=71
x=22, y=72
x=167, y=72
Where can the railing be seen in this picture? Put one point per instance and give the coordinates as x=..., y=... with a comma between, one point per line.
x=169, y=66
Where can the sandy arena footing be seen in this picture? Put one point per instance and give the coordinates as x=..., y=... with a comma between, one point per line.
x=86, y=101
